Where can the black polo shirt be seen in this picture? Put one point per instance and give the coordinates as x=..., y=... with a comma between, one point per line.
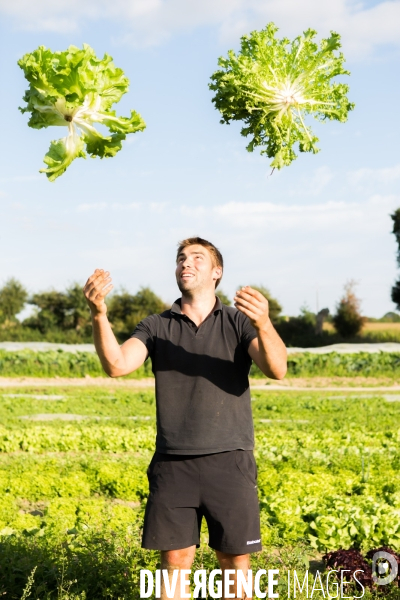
x=202, y=386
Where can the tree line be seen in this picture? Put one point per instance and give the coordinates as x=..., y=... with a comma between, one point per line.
x=57, y=313
x=63, y=316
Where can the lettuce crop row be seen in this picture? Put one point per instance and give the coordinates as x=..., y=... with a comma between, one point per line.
x=334, y=364
x=328, y=477
x=79, y=438
x=52, y=363
x=27, y=363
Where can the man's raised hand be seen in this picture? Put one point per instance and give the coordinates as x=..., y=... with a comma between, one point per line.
x=254, y=305
x=96, y=289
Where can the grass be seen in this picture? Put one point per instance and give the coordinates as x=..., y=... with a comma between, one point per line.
x=371, y=327
x=392, y=327
x=371, y=333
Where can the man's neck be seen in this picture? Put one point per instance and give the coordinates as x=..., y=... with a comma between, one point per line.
x=198, y=308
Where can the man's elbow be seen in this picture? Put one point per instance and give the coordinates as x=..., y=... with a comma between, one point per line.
x=280, y=374
x=110, y=372
x=113, y=374
x=277, y=372
x=114, y=371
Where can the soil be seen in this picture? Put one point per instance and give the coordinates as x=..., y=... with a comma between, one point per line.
x=351, y=384
x=42, y=382
x=384, y=384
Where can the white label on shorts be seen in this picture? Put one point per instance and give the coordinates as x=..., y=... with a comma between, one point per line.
x=253, y=542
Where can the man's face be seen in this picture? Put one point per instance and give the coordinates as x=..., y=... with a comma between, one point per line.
x=195, y=269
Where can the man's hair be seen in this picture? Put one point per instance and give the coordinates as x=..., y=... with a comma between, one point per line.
x=213, y=250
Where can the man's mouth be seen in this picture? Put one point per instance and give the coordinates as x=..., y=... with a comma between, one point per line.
x=187, y=275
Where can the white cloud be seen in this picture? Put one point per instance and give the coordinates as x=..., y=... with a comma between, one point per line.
x=361, y=28
x=366, y=177
x=100, y=206
x=320, y=180
x=269, y=217
x=130, y=206
x=20, y=178
x=314, y=184
x=158, y=207
x=94, y=206
x=151, y=22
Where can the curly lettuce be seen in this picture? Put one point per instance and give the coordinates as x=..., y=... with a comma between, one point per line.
x=272, y=85
x=75, y=89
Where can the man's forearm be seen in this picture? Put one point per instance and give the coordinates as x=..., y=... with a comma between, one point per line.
x=272, y=352
x=107, y=347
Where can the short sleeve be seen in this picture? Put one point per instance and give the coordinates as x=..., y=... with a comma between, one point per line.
x=145, y=331
x=248, y=333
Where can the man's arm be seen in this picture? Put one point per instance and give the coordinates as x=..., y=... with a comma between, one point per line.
x=116, y=360
x=267, y=350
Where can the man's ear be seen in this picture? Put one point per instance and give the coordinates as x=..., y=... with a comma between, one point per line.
x=217, y=273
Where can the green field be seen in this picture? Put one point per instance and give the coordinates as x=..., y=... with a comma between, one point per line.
x=73, y=484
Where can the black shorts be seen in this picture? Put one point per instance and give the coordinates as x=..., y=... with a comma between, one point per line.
x=221, y=487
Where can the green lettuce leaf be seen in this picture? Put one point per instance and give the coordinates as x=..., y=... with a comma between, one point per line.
x=273, y=84
x=75, y=89
x=61, y=154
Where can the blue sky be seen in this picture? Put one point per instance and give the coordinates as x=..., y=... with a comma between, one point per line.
x=302, y=232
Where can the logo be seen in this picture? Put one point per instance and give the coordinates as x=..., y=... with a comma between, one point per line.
x=384, y=568
x=256, y=542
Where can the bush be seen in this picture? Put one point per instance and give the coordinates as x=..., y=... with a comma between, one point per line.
x=348, y=321
x=125, y=310
x=60, y=311
x=12, y=300
x=300, y=331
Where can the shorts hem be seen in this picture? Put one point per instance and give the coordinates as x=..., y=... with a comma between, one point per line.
x=162, y=548
x=204, y=451
x=237, y=550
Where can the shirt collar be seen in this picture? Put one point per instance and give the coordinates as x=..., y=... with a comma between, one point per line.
x=176, y=307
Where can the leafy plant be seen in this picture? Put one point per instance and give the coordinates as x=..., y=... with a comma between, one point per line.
x=272, y=85
x=29, y=585
x=76, y=89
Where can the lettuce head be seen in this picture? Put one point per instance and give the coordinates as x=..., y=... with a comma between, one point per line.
x=272, y=85
x=75, y=89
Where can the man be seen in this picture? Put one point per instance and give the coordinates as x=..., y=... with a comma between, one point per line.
x=201, y=352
